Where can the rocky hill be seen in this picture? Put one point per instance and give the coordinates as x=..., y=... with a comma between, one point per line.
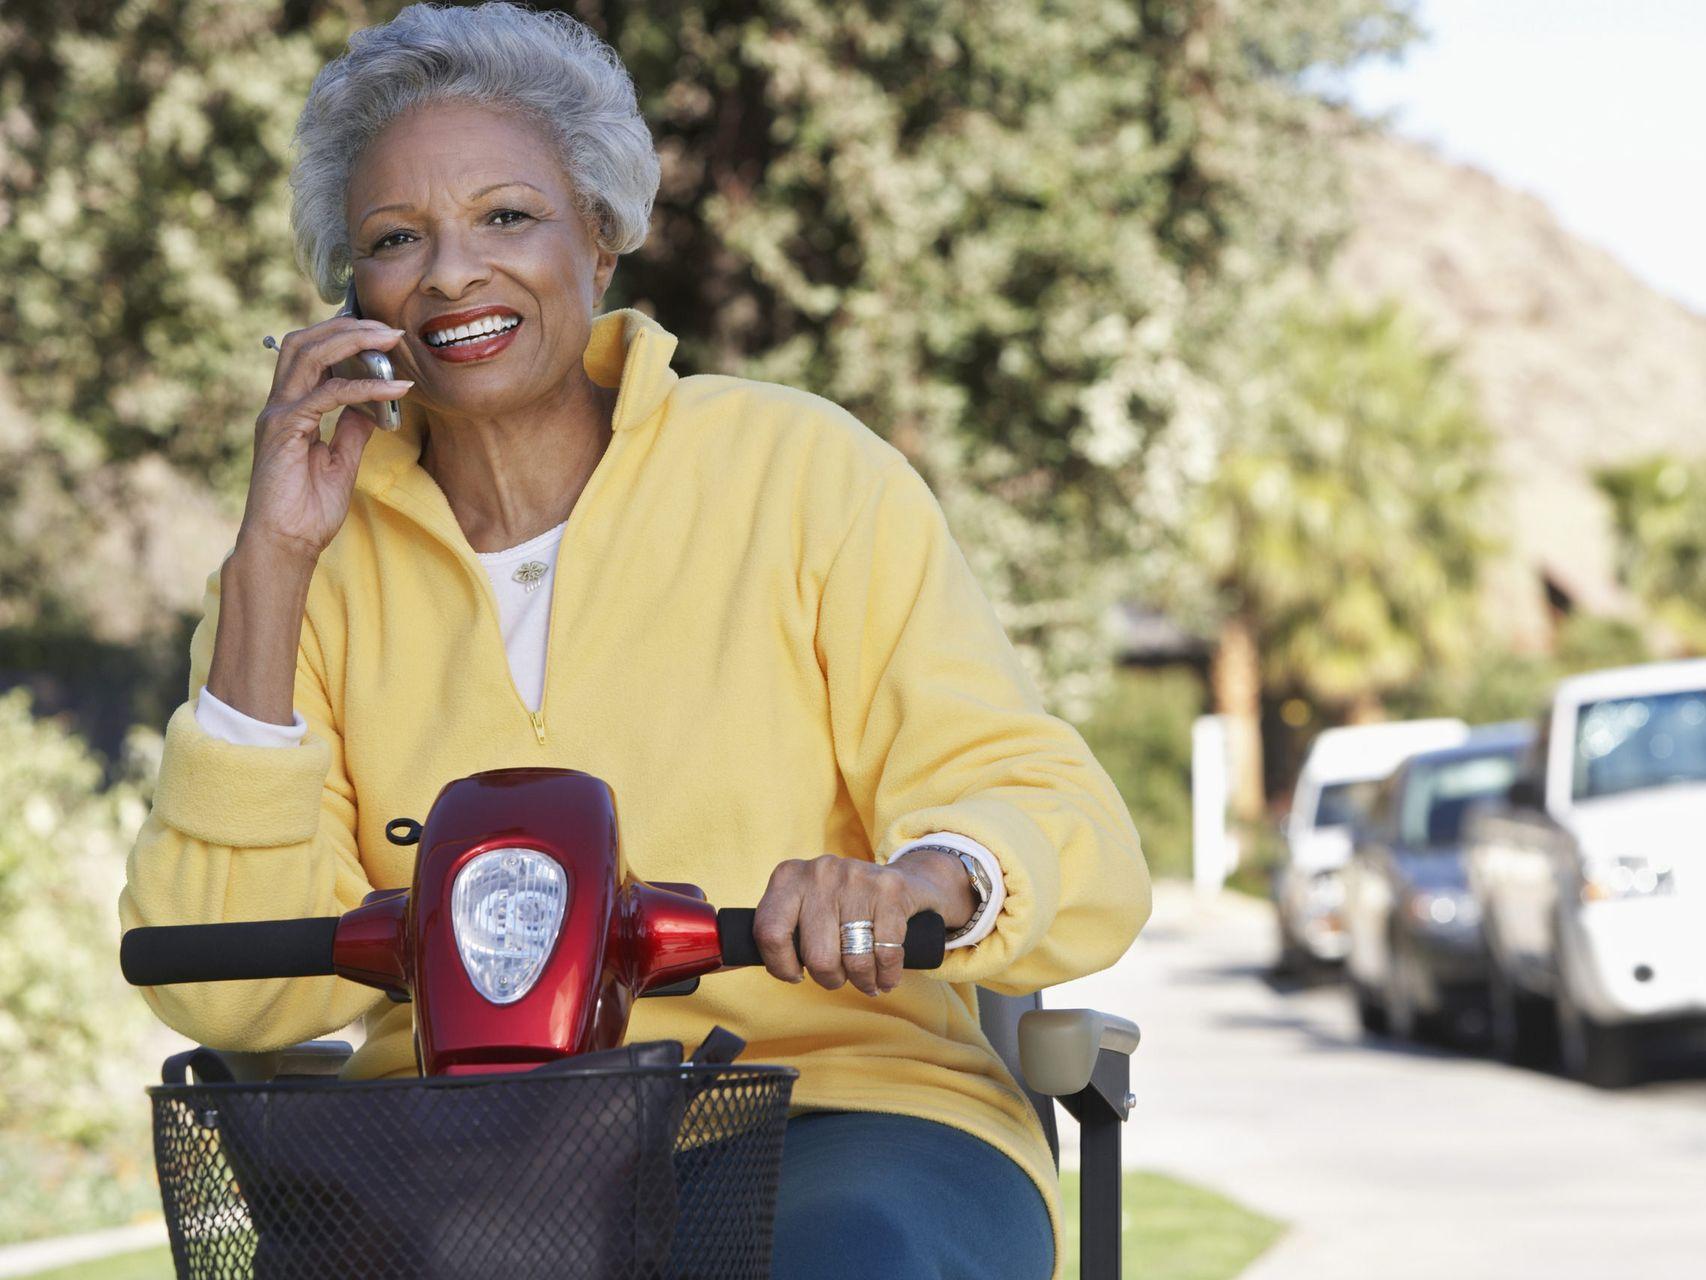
x=1577, y=362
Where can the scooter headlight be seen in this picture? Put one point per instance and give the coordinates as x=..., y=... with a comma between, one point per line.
x=506, y=907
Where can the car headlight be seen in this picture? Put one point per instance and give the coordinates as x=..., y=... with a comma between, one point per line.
x=505, y=909
x=1629, y=876
x=1444, y=909
x=1325, y=892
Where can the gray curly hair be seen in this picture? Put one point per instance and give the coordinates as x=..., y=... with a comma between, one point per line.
x=548, y=66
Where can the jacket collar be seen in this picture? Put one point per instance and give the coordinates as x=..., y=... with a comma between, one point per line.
x=625, y=349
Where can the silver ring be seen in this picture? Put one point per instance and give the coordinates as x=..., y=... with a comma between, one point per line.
x=897, y=946
x=856, y=937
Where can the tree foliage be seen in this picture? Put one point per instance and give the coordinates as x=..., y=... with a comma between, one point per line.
x=1009, y=236
x=1659, y=513
x=1345, y=523
x=146, y=244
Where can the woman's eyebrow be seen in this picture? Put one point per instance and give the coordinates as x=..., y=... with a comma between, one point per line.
x=483, y=191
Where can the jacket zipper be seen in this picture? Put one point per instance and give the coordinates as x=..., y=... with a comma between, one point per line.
x=484, y=583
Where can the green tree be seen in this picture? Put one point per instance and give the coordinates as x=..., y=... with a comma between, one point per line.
x=1342, y=536
x=1008, y=236
x=145, y=241
x=1013, y=237
x=1659, y=514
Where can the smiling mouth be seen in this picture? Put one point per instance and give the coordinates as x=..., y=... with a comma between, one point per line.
x=474, y=331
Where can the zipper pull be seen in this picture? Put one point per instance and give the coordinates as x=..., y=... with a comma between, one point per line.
x=538, y=725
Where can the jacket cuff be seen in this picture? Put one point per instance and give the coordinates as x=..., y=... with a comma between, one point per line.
x=1030, y=885
x=991, y=866
x=240, y=797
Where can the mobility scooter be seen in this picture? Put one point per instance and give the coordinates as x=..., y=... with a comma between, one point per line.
x=535, y=1142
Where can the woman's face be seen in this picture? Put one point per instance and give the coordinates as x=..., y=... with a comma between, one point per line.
x=462, y=214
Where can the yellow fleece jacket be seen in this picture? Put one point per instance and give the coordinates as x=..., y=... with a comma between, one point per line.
x=764, y=638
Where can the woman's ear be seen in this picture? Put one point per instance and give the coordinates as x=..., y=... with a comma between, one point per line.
x=604, y=267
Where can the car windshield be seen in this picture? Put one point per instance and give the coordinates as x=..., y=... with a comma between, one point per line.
x=1437, y=796
x=1625, y=744
x=1344, y=803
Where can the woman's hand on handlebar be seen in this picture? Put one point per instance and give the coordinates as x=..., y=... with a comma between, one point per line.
x=300, y=486
x=818, y=895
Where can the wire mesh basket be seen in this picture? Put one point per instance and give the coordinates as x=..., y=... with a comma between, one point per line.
x=630, y=1173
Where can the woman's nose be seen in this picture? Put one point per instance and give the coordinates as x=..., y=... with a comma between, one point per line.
x=453, y=269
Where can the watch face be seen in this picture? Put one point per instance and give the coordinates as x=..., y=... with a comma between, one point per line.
x=979, y=877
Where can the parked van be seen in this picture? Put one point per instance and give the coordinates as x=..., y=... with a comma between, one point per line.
x=1344, y=768
x=1592, y=874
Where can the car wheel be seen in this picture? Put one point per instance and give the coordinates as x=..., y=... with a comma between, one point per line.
x=1606, y=1057
x=1517, y=1024
x=1293, y=961
x=1405, y=1019
x=1371, y=1011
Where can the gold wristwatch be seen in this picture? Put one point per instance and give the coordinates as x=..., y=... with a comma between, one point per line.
x=980, y=886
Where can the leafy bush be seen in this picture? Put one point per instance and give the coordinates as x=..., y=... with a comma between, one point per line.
x=1499, y=686
x=73, y=1128
x=1658, y=509
x=1141, y=733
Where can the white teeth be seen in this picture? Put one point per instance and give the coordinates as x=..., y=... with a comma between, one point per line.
x=478, y=329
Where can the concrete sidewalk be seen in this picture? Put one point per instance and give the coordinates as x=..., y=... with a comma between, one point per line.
x=49, y=1255
x=1388, y=1163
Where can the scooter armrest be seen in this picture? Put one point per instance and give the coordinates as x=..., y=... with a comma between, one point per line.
x=1058, y=1048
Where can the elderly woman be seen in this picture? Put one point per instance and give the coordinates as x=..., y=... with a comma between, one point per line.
x=728, y=599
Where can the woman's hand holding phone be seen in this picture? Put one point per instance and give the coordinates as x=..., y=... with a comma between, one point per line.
x=299, y=496
x=300, y=486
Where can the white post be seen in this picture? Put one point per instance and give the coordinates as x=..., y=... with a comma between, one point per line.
x=1212, y=852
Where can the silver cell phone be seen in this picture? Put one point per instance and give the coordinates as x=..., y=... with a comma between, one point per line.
x=369, y=364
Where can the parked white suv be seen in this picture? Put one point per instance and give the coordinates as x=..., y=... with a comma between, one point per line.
x=1344, y=768
x=1592, y=874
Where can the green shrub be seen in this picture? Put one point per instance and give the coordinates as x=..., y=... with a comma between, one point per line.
x=73, y=1126
x=1141, y=733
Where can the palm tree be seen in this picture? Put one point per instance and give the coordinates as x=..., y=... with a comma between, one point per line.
x=1344, y=531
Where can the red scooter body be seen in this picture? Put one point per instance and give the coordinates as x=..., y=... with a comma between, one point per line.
x=619, y=938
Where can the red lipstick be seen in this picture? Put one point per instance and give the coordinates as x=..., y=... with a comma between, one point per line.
x=474, y=348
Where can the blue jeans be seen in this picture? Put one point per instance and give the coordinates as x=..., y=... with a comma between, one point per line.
x=866, y=1195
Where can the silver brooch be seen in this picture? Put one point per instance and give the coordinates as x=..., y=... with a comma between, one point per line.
x=529, y=575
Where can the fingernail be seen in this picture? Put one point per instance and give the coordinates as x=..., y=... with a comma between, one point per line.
x=798, y=978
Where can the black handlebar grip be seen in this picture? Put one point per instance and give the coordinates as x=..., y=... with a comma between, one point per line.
x=926, y=936
x=166, y=954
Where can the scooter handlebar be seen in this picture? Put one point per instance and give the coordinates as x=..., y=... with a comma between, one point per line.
x=164, y=954
x=926, y=937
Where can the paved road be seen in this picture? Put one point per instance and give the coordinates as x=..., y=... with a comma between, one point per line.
x=1388, y=1164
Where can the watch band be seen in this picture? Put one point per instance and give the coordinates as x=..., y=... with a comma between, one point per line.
x=980, y=885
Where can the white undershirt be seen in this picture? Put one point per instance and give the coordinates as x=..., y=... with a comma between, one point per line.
x=524, y=606
x=524, y=616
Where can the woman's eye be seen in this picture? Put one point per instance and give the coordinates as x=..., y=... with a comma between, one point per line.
x=390, y=238
x=510, y=217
